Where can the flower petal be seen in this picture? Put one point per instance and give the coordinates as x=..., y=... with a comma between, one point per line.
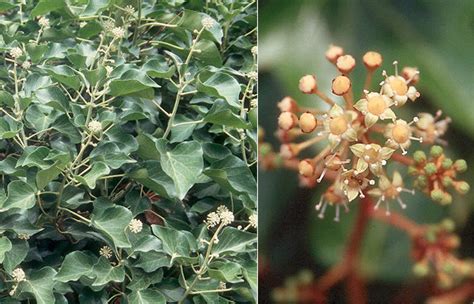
x=358, y=149
x=388, y=113
x=386, y=153
x=361, y=105
x=397, y=179
x=370, y=119
x=350, y=135
x=352, y=193
x=361, y=166
x=335, y=111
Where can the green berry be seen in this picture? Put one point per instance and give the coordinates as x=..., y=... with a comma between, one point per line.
x=421, y=269
x=437, y=195
x=419, y=156
x=422, y=181
x=447, y=181
x=446, y=163
x=431, y=235
x=446, y=199
x=412, y=170
x=436, y=151
x=462, y=187
x=460, y=165
x=265, y=148
x=448, y=225
x=430, y=168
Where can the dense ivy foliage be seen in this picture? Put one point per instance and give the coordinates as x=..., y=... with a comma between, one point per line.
x=124, y=126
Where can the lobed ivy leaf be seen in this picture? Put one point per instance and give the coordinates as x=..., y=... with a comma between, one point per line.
x=177, y=244
x=146, y=296
x=40, y=284
x=20, y=195
x=132, y=81
x=113, y=221
x=98, y=170
x=219, y=84
x=5, y=246
x=233, y=240
x=221, y=113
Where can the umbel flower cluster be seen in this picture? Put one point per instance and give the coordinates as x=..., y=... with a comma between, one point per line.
x=359, y=138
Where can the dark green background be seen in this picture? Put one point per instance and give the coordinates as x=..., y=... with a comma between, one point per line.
x=438, y=38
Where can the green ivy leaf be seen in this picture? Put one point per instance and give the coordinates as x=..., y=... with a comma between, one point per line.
x=20, y=195
x=221, y=114
x=113, y=222
x=233, y=174
x=98, y=170
x=65, y=75
x=75, y=265
x=15, y=255
x=40, y=284
x=183, y=164
x=34, y=157
x=177, y=244
x=158, y=67
x=105, y=272
x=225, y=271
x=8, y=127
x=219, y=84
x=130, y=82
x=233, y=240
x=5, y=246
x=147, y=296
x=151, y=261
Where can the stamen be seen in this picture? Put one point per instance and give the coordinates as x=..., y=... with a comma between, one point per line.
x=384, y=162
x=395, y=63
x=401, y=203
x=384, y=74
x=404, y=152
x=412, y=77
x=318, y=206
x=387, y=206
x=336, y=218
x=321, y=214
x=346, y=208
x=372, y=182
x=415, y=119
x=361, y=195
x=378, y=203
x=322, y=175
x=420, y=139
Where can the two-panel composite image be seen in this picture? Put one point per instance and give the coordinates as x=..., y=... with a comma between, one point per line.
x=236, y=151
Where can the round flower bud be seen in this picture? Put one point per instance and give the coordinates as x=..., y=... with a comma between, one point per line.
x=412, y=170
x=345, y=64
x=430, y=168
x=287, y=120
x=436, y=151
x=306, y=168
x=288, y=104
x=411, y=73
x=437, y=195
x=372, y=60
x=308, y=122
x=118, y=32
x=462, y=187
x=460, y=165
x=208, y=23
x=446, y=163
x=419, y=156
x=135, y=226
x=16, y=52
x=287, y=151
x=308, y=84
x=341, y=85
x=254, y=50
x=334, y=52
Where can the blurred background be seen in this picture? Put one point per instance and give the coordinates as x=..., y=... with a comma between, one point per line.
x=435, y=36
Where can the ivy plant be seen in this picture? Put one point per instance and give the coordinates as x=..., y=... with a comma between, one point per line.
x=128, y=150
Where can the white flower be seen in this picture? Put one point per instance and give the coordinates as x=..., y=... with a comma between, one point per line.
x=106, y=252
x=208, y=23
x=108, y=25
x=109, y=69
x=130, y=9
x=118, y=32
x=254, y=50
x=16, y=52
x=213, y=219
x=396, y=87
x=18, y=275
x=226, y=216
x=23, y=236
x=135, y=226
x=253, y=220
x=371, y=156
x=43, y=22
x=95, y=126
x=338, y=125
x=26, y=65
x=252, y=75
x=375, y=106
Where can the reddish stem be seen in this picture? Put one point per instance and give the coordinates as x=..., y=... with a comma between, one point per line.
x=456, y=295
x=403, y=159
x=348, y=263
x=397, y=220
